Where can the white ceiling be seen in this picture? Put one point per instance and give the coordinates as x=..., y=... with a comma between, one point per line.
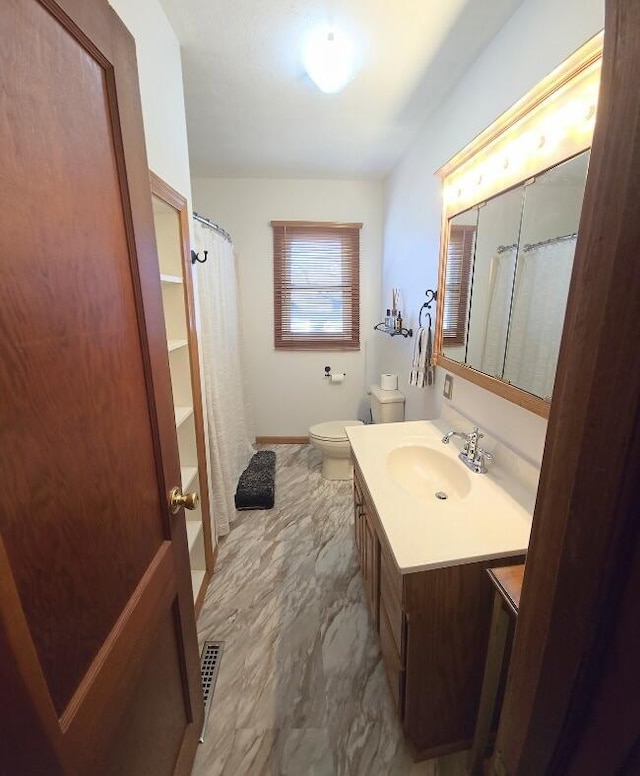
x=253, y=112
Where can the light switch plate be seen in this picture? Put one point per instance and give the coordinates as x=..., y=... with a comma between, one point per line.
x=447, y=391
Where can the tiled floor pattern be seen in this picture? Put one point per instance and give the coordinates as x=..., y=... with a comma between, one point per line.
x=302, y=689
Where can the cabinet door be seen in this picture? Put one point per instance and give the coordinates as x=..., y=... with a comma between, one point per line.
x=357, y=518
x=392, y=661
x=371, y=567
x=99, y=667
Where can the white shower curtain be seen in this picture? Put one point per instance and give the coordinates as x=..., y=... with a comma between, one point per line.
x=535, y=331
x=229, y=433
x=495, y=336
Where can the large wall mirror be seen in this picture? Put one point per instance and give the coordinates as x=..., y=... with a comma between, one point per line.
x=507, y=278
x=505, y=272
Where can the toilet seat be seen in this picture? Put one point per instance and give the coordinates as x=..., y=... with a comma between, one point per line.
x=332, y=430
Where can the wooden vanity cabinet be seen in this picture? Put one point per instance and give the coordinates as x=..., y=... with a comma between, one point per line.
x=433, y=628
x=368, y=551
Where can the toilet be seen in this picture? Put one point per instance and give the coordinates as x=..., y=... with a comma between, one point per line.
x=330, y=438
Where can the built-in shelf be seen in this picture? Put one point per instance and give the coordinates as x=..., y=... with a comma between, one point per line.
x=171, y=278
x=197, y=578
x=188, y=474
x=182, y=413
x=176, y=344
x=171, y=221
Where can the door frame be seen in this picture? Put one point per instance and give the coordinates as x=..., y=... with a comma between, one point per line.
x=580, y=571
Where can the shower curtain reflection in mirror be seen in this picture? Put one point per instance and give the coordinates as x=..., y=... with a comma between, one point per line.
x=501, y=271
x=540, y=296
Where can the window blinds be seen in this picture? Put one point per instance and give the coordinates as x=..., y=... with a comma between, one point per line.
x=316, y=285
x=457, y=284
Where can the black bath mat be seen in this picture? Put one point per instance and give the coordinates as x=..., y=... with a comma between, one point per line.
x=257, y=484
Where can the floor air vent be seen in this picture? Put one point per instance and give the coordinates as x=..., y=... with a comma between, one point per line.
x=209, y=667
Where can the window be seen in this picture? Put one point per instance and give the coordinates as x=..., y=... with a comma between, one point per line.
x=456, y=292
x=316, y=285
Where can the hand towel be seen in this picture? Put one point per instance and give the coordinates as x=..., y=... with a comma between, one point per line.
x=420, y=364
x=415, y=361
x=422, y=359
x=429, y=356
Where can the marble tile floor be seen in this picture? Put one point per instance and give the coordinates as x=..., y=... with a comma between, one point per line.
x=302, y=689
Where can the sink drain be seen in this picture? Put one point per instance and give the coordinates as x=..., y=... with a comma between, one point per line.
x=441, y=495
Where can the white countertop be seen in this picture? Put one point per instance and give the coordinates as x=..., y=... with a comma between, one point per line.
x=492, y=520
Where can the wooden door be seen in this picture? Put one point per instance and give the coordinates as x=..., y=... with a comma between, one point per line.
x=98, y=651
x=572, y=705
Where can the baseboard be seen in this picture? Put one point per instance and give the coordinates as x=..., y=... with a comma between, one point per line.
x=282, y=440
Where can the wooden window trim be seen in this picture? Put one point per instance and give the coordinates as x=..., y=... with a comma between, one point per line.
x=284, y=233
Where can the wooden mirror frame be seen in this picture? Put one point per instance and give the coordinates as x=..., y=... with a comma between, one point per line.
x=472, y=177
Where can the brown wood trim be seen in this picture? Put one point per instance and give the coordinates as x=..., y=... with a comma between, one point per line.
x=585, y=528
x=334, y=224
x=577, y=63
x=202, y=593
x=282, y=440
x=165, y=192
x=196, y=386
x=199, y=600
x=442, y=277
x=523, y=399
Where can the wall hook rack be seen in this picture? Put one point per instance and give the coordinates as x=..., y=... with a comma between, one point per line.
x=432, y=296
x=196, y=257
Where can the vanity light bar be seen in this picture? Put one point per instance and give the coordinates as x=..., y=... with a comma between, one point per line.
x=557, y=127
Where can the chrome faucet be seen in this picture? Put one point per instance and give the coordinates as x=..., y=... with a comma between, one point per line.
x=447, y=437
x=472, y=454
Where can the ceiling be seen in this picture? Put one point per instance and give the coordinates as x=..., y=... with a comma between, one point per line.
x=253, y=112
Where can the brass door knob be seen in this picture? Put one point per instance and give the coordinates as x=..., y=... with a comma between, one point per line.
x=179, y=499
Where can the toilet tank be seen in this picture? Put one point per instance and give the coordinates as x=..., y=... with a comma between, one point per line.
x=386, y=406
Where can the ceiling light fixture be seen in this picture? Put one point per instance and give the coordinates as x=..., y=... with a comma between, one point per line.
x=329, y=60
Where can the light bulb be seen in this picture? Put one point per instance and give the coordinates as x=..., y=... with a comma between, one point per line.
x=450, y=193
x=329, y=60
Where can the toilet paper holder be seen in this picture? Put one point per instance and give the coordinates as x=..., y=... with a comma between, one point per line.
x=328, y=372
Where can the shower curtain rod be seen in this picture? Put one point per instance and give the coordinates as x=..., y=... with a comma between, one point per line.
x=504, y=248
x=531, y=246
x=213, y=226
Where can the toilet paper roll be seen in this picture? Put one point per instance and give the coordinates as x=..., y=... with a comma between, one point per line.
x=336, y=377
x=389, y=382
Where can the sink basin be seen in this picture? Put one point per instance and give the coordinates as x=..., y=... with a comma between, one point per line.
x=422, y=471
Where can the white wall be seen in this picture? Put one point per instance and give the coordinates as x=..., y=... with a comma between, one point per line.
x=537, y=38
x=287, y=391
x=161, y=92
